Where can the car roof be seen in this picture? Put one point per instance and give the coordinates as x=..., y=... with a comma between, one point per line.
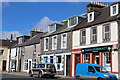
x=91, y=64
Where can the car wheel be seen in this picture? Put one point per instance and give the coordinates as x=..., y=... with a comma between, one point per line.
x=40, y=74
x=99, y=79
x=77, y=77
x=30, y=74
x=51, y=76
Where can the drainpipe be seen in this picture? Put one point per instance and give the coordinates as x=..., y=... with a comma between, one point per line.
x=118, y=21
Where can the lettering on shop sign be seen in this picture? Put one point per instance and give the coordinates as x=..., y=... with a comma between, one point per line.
x=98, y=49
x=54, y=52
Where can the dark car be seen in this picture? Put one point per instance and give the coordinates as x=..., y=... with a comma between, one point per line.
x=43, y=70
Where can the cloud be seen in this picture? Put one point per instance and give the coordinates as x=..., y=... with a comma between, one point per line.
x=5, y=4
x=6, y=34
x=43, y=23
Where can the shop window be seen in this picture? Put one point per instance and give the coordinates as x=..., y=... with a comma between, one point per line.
x=46, y=59
x=86, y=58
x=58, y=66
x=83, y=37
x=58, y=59
x=51, y=59
x=106, y=58
x=33, y=63
x=26, y=65
x=1, y=52
x=106, y=32
x=94, y=35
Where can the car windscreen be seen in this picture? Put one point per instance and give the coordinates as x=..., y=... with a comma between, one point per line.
x=40, y=66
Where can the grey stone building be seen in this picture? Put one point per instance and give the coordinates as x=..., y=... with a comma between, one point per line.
x=56, y=44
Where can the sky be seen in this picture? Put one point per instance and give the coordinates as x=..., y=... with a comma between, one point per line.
x=20, y=17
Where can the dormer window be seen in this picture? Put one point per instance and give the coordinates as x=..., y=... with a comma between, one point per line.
x=72, y=21
x=91, y=17
x=19, y=40
x=114, y=10
x=52, y=27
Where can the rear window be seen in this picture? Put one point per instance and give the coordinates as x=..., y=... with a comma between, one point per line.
x=41, y=66
x=50, y=66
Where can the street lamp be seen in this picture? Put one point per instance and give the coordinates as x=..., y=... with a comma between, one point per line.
x=11, y=37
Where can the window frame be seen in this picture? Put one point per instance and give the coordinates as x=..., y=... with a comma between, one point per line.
x=63, y=41
x=92, y=16
x=54, y=42
x=104, y=33
x=52, y=26
x=111, y=10
x=3, y=52
x=81, y=37
x=93, y=35
x=45, y=48
x=75, y=21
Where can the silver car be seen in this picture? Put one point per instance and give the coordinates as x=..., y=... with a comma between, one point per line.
x=42, y=70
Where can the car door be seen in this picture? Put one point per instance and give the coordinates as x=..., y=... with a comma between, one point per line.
x=91, y=72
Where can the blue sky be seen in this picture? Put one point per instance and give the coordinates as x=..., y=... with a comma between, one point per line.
x=23, y=16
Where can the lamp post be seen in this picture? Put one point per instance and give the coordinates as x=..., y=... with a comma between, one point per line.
x=9, y=70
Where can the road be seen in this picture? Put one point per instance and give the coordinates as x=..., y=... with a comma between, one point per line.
x=19, y=77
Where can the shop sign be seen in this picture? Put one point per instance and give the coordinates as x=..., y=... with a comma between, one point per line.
x=97, y=49
x=54, y=52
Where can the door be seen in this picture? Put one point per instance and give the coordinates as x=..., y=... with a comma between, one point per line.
x=29, y=65
x=4, y=65
x=68, y=62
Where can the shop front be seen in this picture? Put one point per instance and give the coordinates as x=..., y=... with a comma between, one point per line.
x=102, y=55
x=60, y=59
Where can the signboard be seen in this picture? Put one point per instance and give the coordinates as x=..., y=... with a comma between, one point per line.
x=97, y=49
x=54, y=52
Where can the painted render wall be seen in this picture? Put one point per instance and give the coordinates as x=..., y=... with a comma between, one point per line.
x=4, y=57
x=114, y=35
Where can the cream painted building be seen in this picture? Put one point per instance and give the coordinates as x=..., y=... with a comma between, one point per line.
x=95, y=40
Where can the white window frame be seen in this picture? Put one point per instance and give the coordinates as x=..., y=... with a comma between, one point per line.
x=26, y=62
x=54, y=47
x=62, y=42
x=107, y=32
x=82, y=41
x=92, y=18
x=49, y=28
x=111, y=10
x=74, y=24
x=93, y=35
x=45, y=49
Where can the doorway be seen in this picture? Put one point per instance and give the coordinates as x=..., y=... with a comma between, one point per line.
x=4, y=65
x=68, y=62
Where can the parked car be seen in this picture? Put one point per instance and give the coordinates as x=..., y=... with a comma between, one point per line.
x=43, y=70
x=93, y=71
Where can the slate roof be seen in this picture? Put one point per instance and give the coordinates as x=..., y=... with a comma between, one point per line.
x=102, y=17
x=6, y=43
x=34, y=40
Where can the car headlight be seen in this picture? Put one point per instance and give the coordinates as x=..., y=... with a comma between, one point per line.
x=106, y=75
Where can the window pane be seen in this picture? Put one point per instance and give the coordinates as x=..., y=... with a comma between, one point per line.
x=114, y=9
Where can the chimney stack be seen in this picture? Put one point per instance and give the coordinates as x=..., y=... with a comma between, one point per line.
x=95, y=6
x=35, y=31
